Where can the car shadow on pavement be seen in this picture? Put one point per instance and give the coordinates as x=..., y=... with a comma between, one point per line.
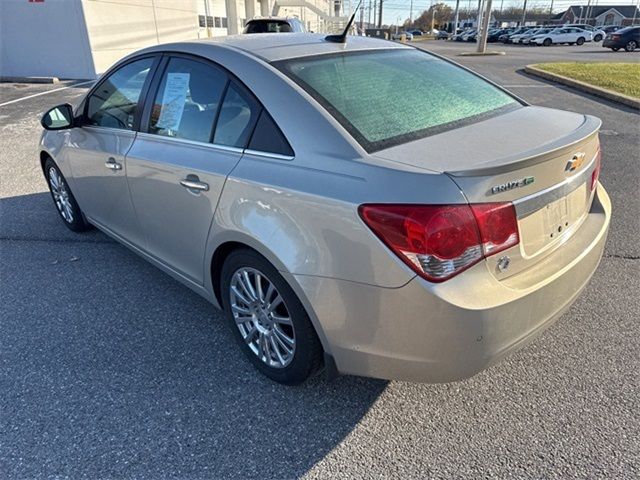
x=111, y=369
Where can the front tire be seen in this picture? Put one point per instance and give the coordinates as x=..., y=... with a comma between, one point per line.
x=63, y=198
x=631, y=46
x=269, y=322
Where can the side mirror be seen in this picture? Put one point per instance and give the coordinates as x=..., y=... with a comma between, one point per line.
x=58, y=118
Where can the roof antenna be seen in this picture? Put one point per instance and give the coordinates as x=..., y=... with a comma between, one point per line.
x=342, y=37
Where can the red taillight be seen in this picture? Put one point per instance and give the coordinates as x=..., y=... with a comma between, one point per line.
x=615, y=37
x=596, y=171
x=440, y=241
x=498, y=226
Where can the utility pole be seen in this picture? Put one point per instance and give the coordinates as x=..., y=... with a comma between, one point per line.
x=375, y=13
x=380, y=14
x=411, y=13
x=524, y=13
x=479, y=18
x=551, y=10
x=455, y=18
x=361, y=21
x=482, y=38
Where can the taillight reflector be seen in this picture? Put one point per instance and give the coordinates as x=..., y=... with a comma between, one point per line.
x=440, y=241
x=596, y=171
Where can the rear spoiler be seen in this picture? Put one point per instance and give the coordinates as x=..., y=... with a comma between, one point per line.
x=587, y=129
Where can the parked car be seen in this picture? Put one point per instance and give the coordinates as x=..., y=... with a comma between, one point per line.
x=494, y=35
x=516, y=38
x=597, y=33
x=416, y=33
x=274, y=25
x=398, y=36
x=507, y=37
x=610, y=28
x=525, y=38
x=461, y=36
x=470, y=35
x=627, y=38
x=442, y=35
x=285, y=183
x=569, y=36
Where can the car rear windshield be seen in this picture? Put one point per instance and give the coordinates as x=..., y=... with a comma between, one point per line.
x=388, y=97
x=268, y=26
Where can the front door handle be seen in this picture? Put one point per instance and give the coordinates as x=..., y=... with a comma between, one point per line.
x=111, y=164
x=192, y=182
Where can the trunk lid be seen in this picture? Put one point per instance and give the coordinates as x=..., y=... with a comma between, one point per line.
x=539, y=159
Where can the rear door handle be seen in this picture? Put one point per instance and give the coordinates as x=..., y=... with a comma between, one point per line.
x=193, y=183
x=112, y=164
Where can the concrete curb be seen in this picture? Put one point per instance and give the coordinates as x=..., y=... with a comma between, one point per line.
x=476, y=54
x=585, y=87
x=29, y=80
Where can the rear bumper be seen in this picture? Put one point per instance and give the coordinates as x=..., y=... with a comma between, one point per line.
x=450, y=331
x=608, y=43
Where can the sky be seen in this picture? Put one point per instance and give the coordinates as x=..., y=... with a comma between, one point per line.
x=400, y=8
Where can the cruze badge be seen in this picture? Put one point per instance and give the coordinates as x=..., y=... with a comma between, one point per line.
x=521, y=182
x=575, y=163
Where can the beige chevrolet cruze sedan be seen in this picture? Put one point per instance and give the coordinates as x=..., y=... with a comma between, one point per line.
x=417, y=229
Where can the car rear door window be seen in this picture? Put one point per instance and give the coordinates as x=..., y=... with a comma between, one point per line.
x=267, y=137
x=114, y=102
x=237, y=117
x=186, y=104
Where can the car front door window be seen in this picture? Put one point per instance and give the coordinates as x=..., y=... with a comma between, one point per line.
x=114, y=103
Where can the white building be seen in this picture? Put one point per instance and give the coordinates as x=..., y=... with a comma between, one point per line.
x=83, y=38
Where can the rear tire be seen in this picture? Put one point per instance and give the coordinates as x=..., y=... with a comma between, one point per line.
x=580, y=41
x=597, y=38
x=547, y=42
x=288, y=352
x=63, y=198
x=631, y=46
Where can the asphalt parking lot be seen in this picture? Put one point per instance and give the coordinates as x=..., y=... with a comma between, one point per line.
x=110, y=369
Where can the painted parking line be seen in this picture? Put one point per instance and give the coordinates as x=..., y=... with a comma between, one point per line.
x=45, y=93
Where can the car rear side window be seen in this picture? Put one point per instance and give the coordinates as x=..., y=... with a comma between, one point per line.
x=187, y=102
x=114, y=102
x=237, y=117
x=267, y=137
x=387, y=97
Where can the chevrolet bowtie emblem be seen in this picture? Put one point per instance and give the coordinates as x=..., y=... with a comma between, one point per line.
x=575, y=163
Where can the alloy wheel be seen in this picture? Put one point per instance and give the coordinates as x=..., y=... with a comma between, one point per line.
x=262, y=317
x=631, y=46
x=61, y=195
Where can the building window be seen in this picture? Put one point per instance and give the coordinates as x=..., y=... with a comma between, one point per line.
x=201, y=21
x=225, y=24
x=218, y=22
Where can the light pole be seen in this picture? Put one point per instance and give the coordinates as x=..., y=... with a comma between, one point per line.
x=482, y=38
x=455, y=21
x=524, y=13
